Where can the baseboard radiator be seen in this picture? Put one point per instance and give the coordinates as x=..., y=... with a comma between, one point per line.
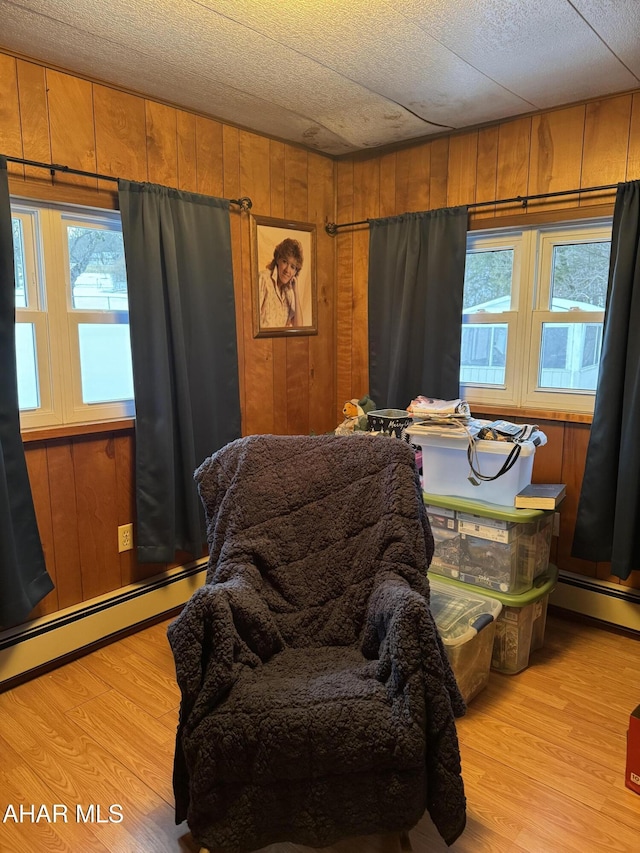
x=608, y=602
x=35, y=644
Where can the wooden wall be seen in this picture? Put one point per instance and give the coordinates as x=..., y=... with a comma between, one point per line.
x=83, y=484
x=591, y=144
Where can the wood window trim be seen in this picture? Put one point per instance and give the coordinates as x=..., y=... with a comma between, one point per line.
x=71, y=430
x=535, y=415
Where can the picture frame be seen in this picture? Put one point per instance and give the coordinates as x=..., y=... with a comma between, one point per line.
x=283, y=273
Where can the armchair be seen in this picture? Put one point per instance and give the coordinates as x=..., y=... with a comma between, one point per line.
x=317, y=701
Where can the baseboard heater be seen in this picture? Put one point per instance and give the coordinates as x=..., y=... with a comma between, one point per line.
x=607, y=602
x=45, y=640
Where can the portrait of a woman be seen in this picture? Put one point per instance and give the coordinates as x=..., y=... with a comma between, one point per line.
x=283, y=271
x=279, y=301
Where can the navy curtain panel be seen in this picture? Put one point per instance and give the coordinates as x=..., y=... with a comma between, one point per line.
x=184, y=353
x=23, y=576
x=416, y=279
x=608, y=520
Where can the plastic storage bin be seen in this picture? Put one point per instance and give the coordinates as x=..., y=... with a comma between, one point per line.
x=466, y=623
x=499, y=548
x=521, y=623
x=445, y=467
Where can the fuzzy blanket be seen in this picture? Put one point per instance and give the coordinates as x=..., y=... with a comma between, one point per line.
x=317, y=699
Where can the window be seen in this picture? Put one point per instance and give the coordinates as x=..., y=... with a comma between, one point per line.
x=533, y=310
x=72, y=315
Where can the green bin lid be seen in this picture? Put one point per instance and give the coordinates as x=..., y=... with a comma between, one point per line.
x=542, y=585
x=485, y=509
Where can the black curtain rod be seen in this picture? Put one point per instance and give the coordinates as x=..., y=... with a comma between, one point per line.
x=243, y=203
x=332, y=227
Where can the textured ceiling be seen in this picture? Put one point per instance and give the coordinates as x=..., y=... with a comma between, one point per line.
x=340, y=76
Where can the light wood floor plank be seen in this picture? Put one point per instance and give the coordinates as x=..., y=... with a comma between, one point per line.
x=111, y=719
x=143, y=682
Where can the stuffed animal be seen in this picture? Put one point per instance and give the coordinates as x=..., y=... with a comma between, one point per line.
x=367, y=405
x=355, y=416
x=352, y=413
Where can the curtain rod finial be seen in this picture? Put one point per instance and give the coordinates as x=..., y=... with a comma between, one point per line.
x=331, y=228
x=245, y=203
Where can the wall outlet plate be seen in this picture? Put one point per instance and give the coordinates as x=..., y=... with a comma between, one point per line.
x=125, y=537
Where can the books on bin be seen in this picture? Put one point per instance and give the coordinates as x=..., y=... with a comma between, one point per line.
x=540, y=496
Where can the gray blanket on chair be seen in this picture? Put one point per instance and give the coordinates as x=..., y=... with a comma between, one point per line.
x=317, y=699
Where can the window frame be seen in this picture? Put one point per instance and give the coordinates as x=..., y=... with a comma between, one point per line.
x=530, y=309
x=55, y=320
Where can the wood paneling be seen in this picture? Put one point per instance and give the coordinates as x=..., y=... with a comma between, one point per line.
x=96, y=485
x=388, y=184
x=556, y=154
x=487, y=170
x=187, y=163
x=438, y=172
x=120, y=134
x=162, y=143
x=344, y=286
x=209, y=156
x=514, y=142
x=259, y=379
x=462, y=169
x=322, y=346
x=606, y=144
x=633, y=160
x=64, y=512
x=10, y=131
x=34, y=117
x=71, y=125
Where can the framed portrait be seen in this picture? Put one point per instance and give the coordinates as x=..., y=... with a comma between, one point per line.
x=283, y=270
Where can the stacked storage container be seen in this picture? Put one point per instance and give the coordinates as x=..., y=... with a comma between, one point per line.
x=466, y=622
x=520, y=624
x=503, y=553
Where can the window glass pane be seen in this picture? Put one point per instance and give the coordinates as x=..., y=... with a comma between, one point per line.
x=28, y=392
x=487, y=281
x=105, y=362
x=570, y=356
x=580, y=272
x=96, y=269
x=19, y=264
x=483, y=353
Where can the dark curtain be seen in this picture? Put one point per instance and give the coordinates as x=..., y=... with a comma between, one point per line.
x=416, y=279
x=184, y=352
x=23, y=577
x=608, y=521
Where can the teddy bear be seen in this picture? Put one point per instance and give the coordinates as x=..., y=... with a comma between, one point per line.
x=355, y=416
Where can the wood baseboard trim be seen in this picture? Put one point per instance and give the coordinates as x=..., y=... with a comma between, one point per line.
x=52, y=639
x=606, y=602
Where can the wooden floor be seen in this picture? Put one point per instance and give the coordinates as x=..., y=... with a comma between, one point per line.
x=543, y=754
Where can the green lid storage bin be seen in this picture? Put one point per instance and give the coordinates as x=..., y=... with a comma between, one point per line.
x=466, y=622
x=498, y=548
x=521, y=623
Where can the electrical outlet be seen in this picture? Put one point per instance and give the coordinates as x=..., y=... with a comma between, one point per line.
x=125, y=537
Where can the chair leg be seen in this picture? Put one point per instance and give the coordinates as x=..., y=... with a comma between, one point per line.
x=405, y=842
